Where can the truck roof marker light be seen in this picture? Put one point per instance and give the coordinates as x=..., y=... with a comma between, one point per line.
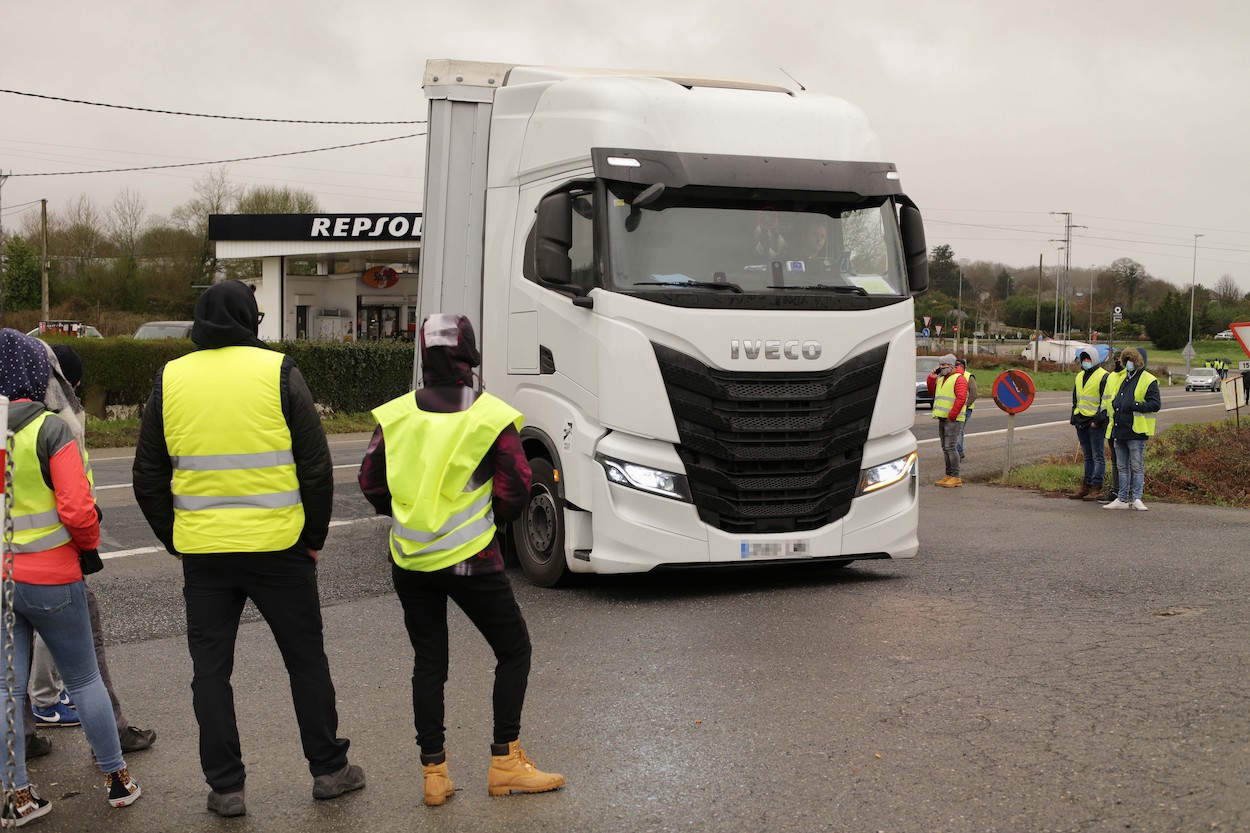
x=624, y=162
x=892, y=175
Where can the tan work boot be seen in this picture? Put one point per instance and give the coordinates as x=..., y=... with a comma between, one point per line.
x=438, y=786
x=514, y=772
x=942, y=482
x=952, y=483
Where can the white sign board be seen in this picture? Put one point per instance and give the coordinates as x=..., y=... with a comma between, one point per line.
x=1234, y=391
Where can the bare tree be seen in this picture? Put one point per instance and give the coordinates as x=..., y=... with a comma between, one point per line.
x=125, y=221
x=1226, y=290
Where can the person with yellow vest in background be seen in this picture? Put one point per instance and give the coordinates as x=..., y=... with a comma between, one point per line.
x=233, y=474
x=1090, y=421
x=52, y=531
x=962, y=367
x=1133, y=422
x=950, y=393
x=446, y=464
x=1111, y=483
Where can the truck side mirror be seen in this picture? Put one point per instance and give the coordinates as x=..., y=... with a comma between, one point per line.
x=915, y=250
x=553, y=238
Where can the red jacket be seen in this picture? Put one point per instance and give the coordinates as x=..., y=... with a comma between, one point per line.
x=961, y=392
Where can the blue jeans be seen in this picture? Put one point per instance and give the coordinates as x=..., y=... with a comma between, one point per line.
x=1091, y=440
x=1130, y=458
x=959, y=446
x=59, y=613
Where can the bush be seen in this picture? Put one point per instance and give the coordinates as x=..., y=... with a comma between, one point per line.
x=343, y=376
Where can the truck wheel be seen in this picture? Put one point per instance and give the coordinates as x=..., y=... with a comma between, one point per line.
x=539, y=533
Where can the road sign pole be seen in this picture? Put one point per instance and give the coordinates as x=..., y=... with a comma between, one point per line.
x=1011, y=436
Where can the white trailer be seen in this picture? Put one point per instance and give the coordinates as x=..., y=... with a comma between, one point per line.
x=699, y=387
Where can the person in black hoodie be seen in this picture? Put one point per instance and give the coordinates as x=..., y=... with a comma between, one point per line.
x=1090, y=420
x=231, y=440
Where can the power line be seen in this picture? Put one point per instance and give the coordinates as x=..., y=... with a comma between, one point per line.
x=197, y=115
x=223, y=161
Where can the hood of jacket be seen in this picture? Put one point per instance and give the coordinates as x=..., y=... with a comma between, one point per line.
x=226, y=316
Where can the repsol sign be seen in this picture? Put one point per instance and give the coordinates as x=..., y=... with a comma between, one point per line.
x=363, y=227
x=774, y=349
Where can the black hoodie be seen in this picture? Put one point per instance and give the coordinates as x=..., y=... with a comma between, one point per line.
x=226, y=316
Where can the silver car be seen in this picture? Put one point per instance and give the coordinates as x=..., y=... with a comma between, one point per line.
x=1203, y=378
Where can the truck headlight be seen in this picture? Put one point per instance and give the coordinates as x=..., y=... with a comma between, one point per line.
x=646, y=479
x=885, y=474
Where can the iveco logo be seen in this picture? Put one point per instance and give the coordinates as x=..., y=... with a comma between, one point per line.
x=774, y=349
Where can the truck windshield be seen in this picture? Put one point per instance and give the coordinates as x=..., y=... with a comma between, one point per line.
x=701, y=243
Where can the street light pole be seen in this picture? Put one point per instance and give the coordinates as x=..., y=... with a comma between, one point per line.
x=1193, y=278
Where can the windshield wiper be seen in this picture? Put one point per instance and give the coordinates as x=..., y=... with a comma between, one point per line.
x=732, y=287
x=822, y=287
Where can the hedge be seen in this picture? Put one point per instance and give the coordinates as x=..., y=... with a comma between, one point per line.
x=349, y=377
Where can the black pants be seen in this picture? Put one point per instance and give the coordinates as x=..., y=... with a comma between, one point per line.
x=283, y=586
x=488, y=602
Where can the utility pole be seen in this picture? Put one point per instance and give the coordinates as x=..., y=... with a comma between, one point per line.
x=43, y=261
x=1037, y=324
x=1067, y=272
x=3, y=177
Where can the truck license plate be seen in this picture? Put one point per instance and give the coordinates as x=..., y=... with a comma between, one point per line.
x=776, y=549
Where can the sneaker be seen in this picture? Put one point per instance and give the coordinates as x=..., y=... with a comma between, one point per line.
x=1139, y=506
x=136, y=740
x=37, y=746
x=57, y=714
x=512, y=771
x=63, y=699
x=350, y=777
x=1118, y=504
x=26, y=807
x=227, y=804
x=123, y=791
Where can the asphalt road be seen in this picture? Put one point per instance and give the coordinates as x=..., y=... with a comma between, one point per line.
x=1041, y=665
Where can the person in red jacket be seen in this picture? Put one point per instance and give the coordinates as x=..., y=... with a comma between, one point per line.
x=54, y=522
x=949, y=389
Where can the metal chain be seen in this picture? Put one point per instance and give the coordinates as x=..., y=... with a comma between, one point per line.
x=10, y=621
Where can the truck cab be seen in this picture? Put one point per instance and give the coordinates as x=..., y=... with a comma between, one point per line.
x=699, y=294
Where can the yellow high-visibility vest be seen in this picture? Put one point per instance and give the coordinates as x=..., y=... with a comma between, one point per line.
x=36, y=523
x=234, y=485
x=438, y=516
x=1088, y=398
x=944, y=398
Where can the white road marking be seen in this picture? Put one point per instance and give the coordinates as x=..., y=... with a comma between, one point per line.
x=149, y=550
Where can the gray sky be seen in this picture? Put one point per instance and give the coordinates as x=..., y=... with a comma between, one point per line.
x=1131, y=114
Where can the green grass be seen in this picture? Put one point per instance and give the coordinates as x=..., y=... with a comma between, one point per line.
x=1201, y=463
x=124, y=433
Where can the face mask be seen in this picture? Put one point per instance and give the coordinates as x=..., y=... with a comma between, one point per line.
x=1086, y=365
x=1130, y=367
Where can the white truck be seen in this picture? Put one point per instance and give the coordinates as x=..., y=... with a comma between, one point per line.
x=699, y=293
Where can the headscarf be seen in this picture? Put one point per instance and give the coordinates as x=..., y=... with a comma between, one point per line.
x=226, y=316
x=30, y=370
x=448, y=350
x=24, y=366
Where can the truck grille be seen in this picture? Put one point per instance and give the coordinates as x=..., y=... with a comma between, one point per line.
x=771, y=452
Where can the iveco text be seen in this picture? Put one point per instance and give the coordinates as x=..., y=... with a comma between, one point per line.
x=774, y=349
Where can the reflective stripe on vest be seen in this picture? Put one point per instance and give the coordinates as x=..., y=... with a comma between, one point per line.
x=439, y=518
x=234, y=482
x=36, y=524
x=1088, y=399
x=944, y=398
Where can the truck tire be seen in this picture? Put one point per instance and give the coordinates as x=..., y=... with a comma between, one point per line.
x=539, y=533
